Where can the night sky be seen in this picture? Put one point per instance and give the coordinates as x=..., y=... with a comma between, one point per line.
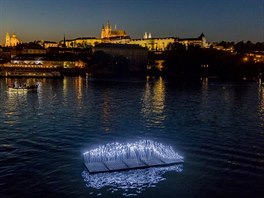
x=229, y=20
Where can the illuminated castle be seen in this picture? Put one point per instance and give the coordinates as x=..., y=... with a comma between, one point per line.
x=148, y=41
x=108, y=33
x=11, y=41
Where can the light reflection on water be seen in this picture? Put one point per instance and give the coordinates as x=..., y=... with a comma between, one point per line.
x=129, y=183
x=217, y=127
x=261, y=103
x=153, y=102
x=15, y=100
x=134, y=181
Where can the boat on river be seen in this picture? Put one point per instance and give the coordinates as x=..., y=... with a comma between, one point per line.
x=31, y=88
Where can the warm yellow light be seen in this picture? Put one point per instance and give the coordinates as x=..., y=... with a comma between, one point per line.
x=245, y=59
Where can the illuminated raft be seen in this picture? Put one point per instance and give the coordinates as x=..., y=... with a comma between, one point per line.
x=141, y=154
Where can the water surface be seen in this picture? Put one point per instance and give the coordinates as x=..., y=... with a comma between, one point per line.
x=217, y=128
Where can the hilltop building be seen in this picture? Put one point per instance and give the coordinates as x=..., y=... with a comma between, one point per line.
x=115, y=36
x=153, y=44
x=147, y=35
x=83, y=42
x=200, y=41
x=48, y=44
x=108, y=33
x=11, y=41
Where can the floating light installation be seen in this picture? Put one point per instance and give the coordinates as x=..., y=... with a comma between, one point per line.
x=140, y=154
x=143, y=164
x=129, y=183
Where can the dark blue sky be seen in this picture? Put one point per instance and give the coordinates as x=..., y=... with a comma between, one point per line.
x=230, y=20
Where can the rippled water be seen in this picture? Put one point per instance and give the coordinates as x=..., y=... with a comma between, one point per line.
x=217, y=127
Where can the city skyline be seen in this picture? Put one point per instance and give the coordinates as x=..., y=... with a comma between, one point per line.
x=50, y=20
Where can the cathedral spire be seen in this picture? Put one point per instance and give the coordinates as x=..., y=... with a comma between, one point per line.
x=149, y=36
x=108, y=25
x=7, y=40
x=64, y=41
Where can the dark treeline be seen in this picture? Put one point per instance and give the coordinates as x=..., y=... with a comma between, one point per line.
x=243, y=47
x=194, y=62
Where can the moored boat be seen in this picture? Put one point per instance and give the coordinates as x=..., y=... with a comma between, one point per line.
x=31, y=88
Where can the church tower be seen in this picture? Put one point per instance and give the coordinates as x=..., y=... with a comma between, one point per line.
x=108, y=30
x=103, y=32
x=7, y=40
x=108, y=33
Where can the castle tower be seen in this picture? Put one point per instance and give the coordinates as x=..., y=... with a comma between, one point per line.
x=108, y=33
x=145, y=35
x=7, y=40
x=11, y=41
x=108, y=25
x=64, y=41
x=103, y=32
x=203, y=39
x=108, y=30
x=149, y=36
x=14, y=40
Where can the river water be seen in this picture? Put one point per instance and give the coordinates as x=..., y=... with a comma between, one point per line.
x=217, y=127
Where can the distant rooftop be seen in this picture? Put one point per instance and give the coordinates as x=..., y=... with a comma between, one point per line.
x=32, y=45
x=122, y=46
x=192, y=39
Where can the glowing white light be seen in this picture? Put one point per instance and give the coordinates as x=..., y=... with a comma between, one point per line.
x=130, y=182
x=137, y=150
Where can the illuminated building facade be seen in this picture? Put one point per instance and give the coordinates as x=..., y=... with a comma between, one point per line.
x=82, y=42
x=48, y=44
x=200, y=41
x=147, y=35
x=11, y=41
x=46, y=61
x=153, y=44
x=108, y=33
x=116, y=36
